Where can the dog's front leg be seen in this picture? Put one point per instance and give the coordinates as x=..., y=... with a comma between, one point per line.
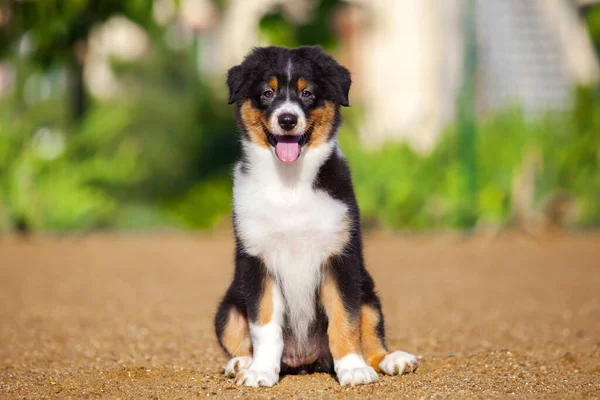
x=265, y=322
x=340, y=296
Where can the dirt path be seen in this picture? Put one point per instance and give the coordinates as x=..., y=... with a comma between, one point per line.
x=131, y=317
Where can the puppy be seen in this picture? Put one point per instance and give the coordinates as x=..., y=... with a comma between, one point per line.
x=301, y=298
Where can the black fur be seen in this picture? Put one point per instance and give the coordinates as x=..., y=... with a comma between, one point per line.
x=330, y=82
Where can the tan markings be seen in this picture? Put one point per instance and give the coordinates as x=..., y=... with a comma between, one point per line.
x=273, y=83
x=236, y=338
x=302, y=84
x=372, y=345
x=343, y=331
x=265, y=311
x=321, y=119
x=254, y=120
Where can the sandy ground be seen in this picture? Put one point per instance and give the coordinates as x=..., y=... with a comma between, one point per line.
x=131, y=317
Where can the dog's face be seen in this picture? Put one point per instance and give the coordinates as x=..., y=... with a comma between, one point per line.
x=288, y=99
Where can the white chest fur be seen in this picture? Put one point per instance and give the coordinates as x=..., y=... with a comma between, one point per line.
x=292, y=227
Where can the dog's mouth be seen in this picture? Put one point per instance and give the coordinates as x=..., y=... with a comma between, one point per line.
x=288, y=147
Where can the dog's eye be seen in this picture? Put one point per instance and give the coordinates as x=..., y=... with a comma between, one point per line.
x=268, y=94
x=306, y=93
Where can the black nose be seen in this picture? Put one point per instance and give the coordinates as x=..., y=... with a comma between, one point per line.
x=288, y=121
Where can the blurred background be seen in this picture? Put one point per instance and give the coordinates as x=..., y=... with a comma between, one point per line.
x=465, y=114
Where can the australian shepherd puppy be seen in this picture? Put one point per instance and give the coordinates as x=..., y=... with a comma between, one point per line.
x=301, y=298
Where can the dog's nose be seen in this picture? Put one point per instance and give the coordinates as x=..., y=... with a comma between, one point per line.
x=288, y=121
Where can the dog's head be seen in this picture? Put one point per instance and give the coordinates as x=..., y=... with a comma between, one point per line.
x=288, y=99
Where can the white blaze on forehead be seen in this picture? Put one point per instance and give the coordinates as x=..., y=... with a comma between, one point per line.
x=289, y=70
x=289, y=76
x=288, y=107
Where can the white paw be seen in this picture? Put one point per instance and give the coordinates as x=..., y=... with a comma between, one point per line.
x=399, y=362
x=353, y=370
x=356, y=376
x=236, y=365
x=256, y=378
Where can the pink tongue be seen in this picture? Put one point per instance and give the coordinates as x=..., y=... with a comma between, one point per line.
x=287, y=151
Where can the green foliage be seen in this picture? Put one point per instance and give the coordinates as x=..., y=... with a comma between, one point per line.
x=141, y=160
x=54, y=178
x=593, y=22
x=204, y=205
x=400, y=189
x=277, y=30
x=55, y=27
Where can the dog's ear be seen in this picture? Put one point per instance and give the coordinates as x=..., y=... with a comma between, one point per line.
x=234, y=82
x=341, y=81
x=335, y=78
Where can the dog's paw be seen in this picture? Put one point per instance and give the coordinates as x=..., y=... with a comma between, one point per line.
x=356, y=376
x=399, y=362
x=256, y=378
x=353, y=370
x=237, y=365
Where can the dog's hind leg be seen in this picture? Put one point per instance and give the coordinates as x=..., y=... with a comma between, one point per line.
x=231, y=326
x=372, y=336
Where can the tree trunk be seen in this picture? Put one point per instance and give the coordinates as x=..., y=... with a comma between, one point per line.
x=78, y=95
